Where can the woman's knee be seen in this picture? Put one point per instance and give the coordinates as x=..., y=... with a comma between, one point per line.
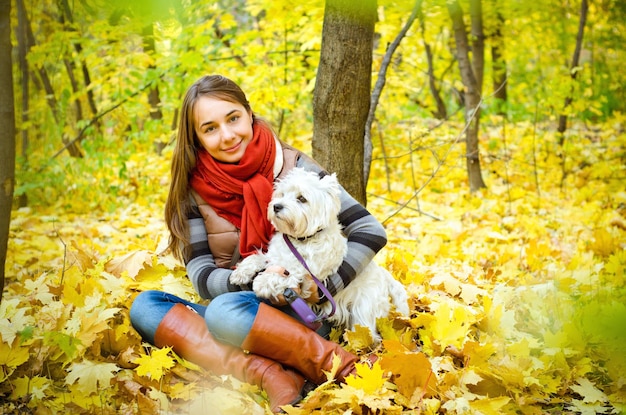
x=230, y=316
x=150, y=307
x=144, y=301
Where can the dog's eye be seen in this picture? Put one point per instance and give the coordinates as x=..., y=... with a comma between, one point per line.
x=302, y=199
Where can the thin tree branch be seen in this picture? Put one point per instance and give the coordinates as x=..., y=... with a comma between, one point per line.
x=439, y=164
x=94, y=120
x=380, y=83
x=584, y=7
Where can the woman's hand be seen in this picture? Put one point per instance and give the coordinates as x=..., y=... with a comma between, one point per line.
x=314, y=297
x=280, y=300
x=276, y=269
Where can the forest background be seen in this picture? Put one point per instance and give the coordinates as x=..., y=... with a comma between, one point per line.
x=524, y=278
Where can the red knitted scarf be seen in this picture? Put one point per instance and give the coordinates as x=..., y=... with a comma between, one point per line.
x=241, y=192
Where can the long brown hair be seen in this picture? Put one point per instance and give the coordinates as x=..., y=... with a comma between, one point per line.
x=178, y=202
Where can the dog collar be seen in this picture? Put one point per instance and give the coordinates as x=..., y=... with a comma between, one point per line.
x=304, y=238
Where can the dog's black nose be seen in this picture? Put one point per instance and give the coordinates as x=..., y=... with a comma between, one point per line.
x=278, y=208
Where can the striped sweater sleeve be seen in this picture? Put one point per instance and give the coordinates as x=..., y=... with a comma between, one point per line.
x=207, y=279
x=366, y=236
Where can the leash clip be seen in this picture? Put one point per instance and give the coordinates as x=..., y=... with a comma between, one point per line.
x=310, y=319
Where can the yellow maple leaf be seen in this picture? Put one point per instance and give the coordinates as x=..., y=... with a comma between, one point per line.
x=34, y=387
x=221, y=400
x=479, y=353
x=470, y=293
x=588, y=391
x=94, y=323
x=450, y=283
x=90, y=377
x=603, y=243
x=330, y=375
x=584, y=408
x=78, y=286
x=616, y=264
x=12, y=356
x=536, y=252
x=77, y=397
x=450, y=325
x=115, y=287
x=412, y=372
x=358, y=339
x=176, y=285
x=131, y=263
x=13, y=319
x=90, y=320
x=368, y=379
x=489, y=406
x=84, y=260
x=161, y=399
x=155, y=364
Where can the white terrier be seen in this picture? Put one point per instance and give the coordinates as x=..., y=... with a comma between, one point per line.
x=305, y=206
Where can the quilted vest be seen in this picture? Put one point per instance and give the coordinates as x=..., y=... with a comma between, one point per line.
x=222, y=235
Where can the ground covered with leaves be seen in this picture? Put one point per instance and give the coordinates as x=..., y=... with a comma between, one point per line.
x=518, y=292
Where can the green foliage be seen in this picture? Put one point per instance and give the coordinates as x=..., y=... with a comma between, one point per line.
x=272, y=49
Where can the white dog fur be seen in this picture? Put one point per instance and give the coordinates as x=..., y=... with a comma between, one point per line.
x=305, y=207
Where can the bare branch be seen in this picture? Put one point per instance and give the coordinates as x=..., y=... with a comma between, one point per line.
x=380, y=83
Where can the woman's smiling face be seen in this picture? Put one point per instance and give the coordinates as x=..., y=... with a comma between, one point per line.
x=224, y=128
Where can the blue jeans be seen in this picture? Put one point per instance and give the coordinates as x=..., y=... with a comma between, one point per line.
x=229, y=317
x=149, y=308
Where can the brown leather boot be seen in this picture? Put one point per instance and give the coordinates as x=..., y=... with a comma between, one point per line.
x=284, y=339
x=186, y=333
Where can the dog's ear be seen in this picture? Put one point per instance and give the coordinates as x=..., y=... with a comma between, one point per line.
x=329, y=180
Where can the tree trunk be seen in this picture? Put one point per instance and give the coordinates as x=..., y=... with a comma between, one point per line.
x=7, y=134
x=575, y=59
x=478, y=42
x=498, y=71
x=154, y=99
x=69, y=68
x=341, y=99
x=67, y=12
x=472, y=97
x=147, y=36
x=72, y=148
x=22, y=50
x=442, y=112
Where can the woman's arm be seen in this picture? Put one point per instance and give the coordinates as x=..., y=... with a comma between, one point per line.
x=207, y=278
x=366, y=236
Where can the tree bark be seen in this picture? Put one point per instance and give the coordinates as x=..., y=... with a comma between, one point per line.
x=472, y=97
x=154, y=98
x=149, y=47
x=575, y=60
x=22, y=50
x=72, y=148
x=69, y=68
x=341, y=99
x=442, y=112
x=67, y=12
x=478, y=42
x=7, y=134
x=498, y=72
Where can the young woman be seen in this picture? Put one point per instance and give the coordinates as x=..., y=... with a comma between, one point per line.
x=224, y=165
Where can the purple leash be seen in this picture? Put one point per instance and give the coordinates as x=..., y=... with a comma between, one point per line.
x=322, y=287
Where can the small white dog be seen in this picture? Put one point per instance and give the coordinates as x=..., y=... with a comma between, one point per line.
x=305, y=206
